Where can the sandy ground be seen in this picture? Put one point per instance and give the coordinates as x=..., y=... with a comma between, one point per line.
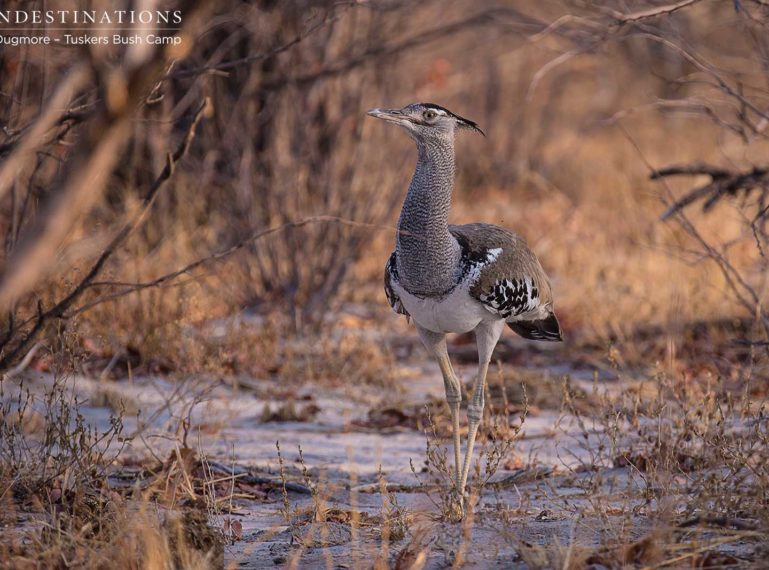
x=542, y=495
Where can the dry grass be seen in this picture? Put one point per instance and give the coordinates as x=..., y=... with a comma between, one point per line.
x=62, y=510
x=686, y=458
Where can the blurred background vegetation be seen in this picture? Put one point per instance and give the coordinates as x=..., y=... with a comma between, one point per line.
x=581, y=102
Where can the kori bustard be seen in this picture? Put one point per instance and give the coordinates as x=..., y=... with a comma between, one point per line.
x=459, y=278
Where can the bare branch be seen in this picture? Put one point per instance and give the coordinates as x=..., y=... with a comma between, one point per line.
x=74, y=80
x=722, y=183
x=708, y=69
x=487, y=17
x=653, y=12
x=690, y=170
x=123, y=90
x=745, y=295
x=133, y=287
x=149, y=199
x=253, y=58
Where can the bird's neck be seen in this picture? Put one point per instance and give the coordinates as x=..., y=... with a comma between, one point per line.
x=428, y=255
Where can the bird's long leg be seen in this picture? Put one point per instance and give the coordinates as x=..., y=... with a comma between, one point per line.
x=436, y=345
x=474, y=415
x=454, y=399
x=486, y=335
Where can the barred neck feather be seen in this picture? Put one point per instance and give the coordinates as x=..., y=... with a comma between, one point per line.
x=428, y=255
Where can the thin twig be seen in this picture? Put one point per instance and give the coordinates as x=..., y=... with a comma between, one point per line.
x=74, y=80
x=487, y=17
x=123, y=90
x=253, y=58
x=741, y=289
x=134, y=287
x=722, y=182
x=149, y=199
x=653, y=12
x=19, y=368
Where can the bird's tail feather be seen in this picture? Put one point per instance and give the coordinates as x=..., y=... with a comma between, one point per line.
x=542, y=329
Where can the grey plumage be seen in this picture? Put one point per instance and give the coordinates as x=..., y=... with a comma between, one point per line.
x=427, y=255
x=458, y=278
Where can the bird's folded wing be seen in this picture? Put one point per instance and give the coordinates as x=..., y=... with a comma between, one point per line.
x=390, y=275
x=508, y=279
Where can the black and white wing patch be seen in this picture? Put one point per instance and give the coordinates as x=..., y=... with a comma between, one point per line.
x=390, y=276
x=511, y=297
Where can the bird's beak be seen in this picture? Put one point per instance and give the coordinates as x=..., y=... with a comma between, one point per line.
x=389, y=115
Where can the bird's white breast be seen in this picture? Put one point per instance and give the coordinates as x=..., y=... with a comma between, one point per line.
x=457, y=312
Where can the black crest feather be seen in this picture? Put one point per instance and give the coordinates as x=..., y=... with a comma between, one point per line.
x=465, y=123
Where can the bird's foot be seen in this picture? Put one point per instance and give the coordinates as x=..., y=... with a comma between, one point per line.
x=455, y=506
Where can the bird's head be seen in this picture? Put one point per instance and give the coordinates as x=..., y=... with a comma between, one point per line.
x=426, y=121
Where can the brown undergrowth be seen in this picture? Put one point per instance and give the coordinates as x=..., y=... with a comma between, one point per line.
x=65, y=504
x=670, y=470
x=687, y=461
x=556, y=167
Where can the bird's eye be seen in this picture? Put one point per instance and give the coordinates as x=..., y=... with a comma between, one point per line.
x=429, y=114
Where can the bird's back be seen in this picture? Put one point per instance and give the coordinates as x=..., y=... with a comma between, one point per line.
x=514, y=260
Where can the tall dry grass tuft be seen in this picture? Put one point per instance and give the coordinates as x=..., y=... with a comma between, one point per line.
x=59, y=506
